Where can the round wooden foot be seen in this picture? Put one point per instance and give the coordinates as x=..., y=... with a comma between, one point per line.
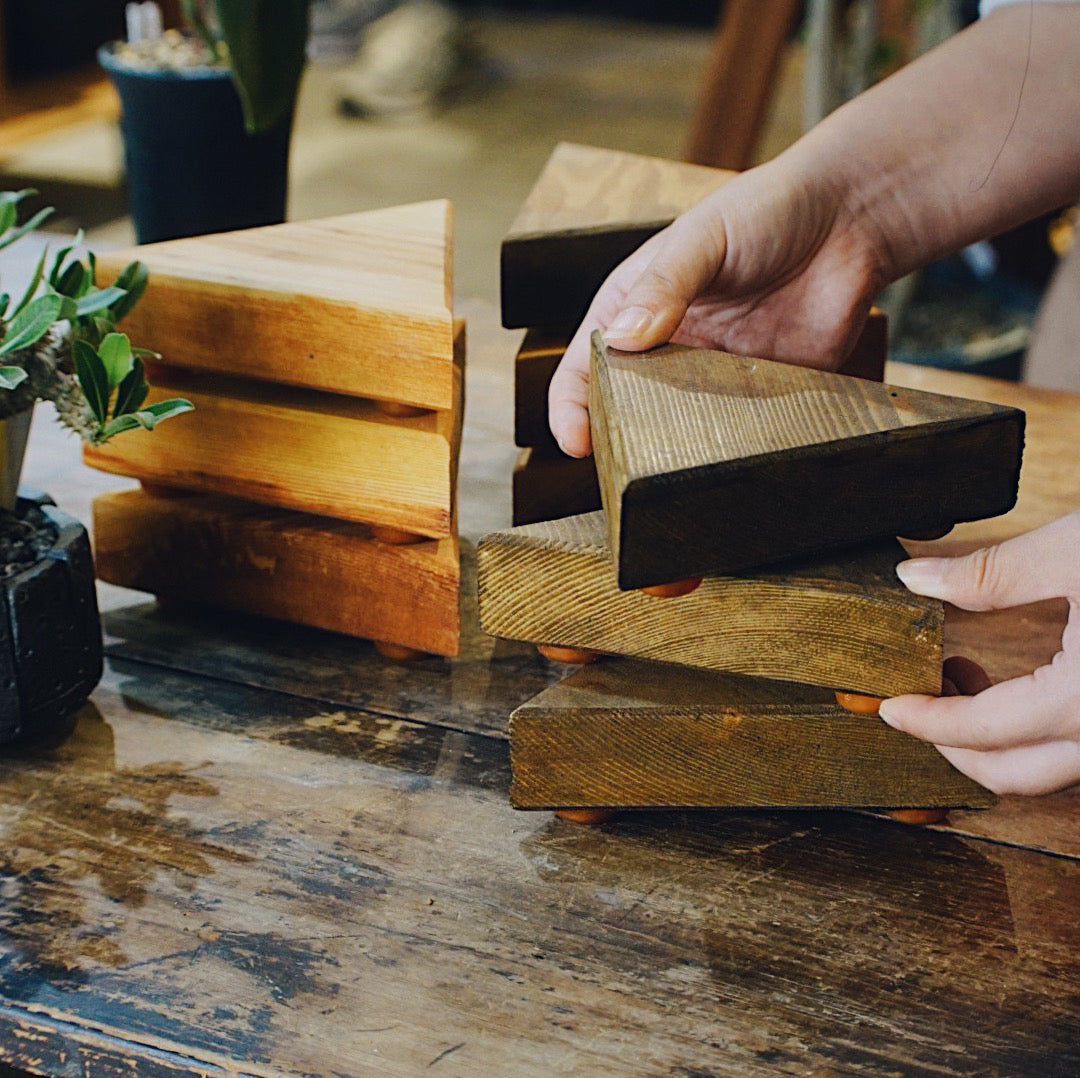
x=918, y=816
x=567, y=655
x=590, y=816
x=384, y=533
x=398, y=653
x=398, y=410
x=672, y=590
x=859, y=703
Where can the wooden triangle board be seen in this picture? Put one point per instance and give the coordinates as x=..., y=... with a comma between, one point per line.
x=711, y=462
x=622, y=733
x=587, y=211
x=358, y=304
x=845, y=623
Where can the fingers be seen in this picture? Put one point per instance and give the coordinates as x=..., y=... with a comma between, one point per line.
x=1030, y=770
x=1024, y=711
x=1043, y=564
x=568, y=396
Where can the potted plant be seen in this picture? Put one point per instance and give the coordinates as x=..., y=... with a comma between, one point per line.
x=58, y=342
x=207, y=113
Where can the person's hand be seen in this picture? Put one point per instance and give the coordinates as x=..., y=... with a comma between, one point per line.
x=767, y=265
x=1020, y=736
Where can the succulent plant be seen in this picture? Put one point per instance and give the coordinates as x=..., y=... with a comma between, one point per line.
x=59, y=342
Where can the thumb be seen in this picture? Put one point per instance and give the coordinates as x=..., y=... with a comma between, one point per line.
x=656, y=302
x=1039, y=565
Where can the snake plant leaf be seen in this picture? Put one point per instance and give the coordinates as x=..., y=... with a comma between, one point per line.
x=90, y=371
x=115, y=355
x=132, y=279
x=11, y=377
x=31, y=323
x=101, y=299
x=132, y=391
x=267, y=44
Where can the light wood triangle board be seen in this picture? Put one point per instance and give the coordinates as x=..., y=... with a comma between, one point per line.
x=359, y=304
x=844, y=623
x=711, y=462
x=623, y=733
x=587, y=211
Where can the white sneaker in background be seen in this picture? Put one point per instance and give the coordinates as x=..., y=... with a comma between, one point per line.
x=409, y=60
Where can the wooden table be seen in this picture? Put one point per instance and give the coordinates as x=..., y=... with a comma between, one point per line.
x=265, y=850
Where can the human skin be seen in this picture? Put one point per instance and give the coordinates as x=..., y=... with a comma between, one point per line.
x=784, y=261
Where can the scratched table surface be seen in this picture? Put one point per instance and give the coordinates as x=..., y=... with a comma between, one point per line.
x=265, y=850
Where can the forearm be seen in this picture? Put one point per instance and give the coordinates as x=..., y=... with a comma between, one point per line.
x=939, y=155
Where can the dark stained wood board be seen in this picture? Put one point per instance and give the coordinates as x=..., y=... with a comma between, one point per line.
x=298, y=567
x=844, y=622
x=624, y=733
x=381, y=919
x=547, y=484
x=711, y=462
x=587, y=211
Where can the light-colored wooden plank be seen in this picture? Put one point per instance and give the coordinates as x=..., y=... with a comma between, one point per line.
x=549, y=484
x=622, y=733
x=844, y=624
x=711, y=462
x=276, y=563
x=587, y=211
x=298, y=449
x=359, y=304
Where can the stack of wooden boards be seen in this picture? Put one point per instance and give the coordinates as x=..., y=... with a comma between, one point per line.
x=316, y=479
x=783, y=489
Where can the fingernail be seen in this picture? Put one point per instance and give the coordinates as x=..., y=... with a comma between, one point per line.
x=633, y=322
x=883, y=713
x=922, y=576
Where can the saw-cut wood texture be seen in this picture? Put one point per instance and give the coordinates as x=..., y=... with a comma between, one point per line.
x=223, y=552
x=711, y=462
x=298, y=449
x=587, y=211
x=846, y=623
x=535, y=363
x=549, y=484
x=623, y=733
x=359, y=304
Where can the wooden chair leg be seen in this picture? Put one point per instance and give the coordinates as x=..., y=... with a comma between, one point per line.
x=738, y=78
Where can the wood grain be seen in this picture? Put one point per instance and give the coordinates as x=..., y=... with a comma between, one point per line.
x=710, y=462
x=548, y=485
x=587, y=211
x=276, y=563
x=359, y=304
x=298, y=449
x=846, y=623
x=622, y=733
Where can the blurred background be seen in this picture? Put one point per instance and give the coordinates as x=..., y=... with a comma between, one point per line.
x=419, y=99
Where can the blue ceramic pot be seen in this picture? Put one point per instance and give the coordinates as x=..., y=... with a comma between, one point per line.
x=191, y=166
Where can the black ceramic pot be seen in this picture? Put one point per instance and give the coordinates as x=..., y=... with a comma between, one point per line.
x=50, y=632
x=191, y=166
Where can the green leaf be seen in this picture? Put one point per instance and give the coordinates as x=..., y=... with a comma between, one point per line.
x=5, y=299
x=72, y=281
x=38, y=272
x=68, y=308
x=98, y=300
x=10, y=377
x=133, y=279
x=117, y=426
x=167, y=409
x=31, y=323
x=61, y=256
x=132, y=391
x=90, y=371
x=27, y=226
x=267, y=43
x=9, y=201
x=115, y=354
